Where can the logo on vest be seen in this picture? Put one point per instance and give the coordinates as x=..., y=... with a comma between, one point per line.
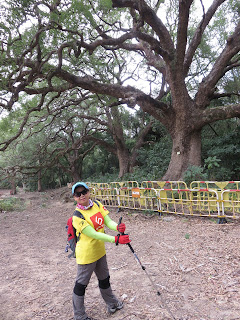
x=98, y=221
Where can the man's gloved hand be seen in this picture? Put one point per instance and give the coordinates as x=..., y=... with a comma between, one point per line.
x=121, y=227
x=122, y=239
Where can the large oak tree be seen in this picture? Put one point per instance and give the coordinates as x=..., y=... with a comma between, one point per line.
x=77, y=44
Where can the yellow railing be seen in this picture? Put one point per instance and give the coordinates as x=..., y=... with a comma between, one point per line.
x=203, y=198
x=194, y=202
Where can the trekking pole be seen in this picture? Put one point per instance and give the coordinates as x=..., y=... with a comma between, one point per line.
x=153, y=284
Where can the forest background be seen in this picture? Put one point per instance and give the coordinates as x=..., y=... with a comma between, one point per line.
x=118, y=90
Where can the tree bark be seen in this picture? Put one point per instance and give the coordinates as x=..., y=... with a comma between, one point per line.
x=75, y=174
x=39, y=181
x=124, y=161
x=186, y=151
x=13, y=185
x=172, y=57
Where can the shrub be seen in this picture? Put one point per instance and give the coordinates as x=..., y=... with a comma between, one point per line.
x=194, y=173
x=11, y=204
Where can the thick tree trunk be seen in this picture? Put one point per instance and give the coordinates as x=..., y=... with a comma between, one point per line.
x=76, y=175
x=186, y=151
x=13, y=185
x=60, y=183
x=75, y=163
x=39, y=181
x=24, y=186
x=124, y=162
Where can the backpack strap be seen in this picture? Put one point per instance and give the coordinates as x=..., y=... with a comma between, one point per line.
x=78, y=214
x=97, y=203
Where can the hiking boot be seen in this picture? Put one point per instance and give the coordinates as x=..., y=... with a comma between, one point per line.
x=118, y=306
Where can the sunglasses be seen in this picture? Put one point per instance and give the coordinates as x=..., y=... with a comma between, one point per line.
x=78, y=194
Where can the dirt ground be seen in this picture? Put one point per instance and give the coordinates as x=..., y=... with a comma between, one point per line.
x=193, y=262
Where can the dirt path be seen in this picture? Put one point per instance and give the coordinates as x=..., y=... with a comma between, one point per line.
x=194, y=262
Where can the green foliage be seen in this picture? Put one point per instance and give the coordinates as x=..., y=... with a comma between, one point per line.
x=105, y=5
x=100, y=163
x=194, y=173
x=150, y=212
x=74, y=26
x=212, y=162
x=154, y=159
x=212, y=165
x=12, y=204
x=106, y=178
x=221, y=150
x=4, y=182
x=84, y=9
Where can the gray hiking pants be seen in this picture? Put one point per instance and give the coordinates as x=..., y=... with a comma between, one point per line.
x=84, y=273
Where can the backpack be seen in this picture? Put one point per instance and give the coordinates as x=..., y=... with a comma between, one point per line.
x=72, y=238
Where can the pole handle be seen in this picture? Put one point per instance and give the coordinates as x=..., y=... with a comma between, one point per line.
x=120, y=220
x=122, y=233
